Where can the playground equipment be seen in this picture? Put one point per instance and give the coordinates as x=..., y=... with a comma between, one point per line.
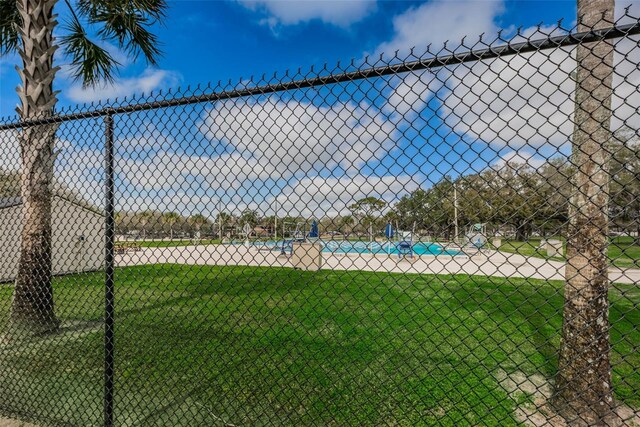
x=298, y=232
x=476, y=236
x=246, y=230
x=405, y=248
x=405, y=243
x=298, y=235
x=314, y=233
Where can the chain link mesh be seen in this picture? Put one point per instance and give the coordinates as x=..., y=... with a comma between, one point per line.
x=429, y=239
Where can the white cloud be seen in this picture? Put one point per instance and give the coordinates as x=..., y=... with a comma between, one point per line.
x=410, y=94
x=535, y=33
x=266, y=142
x=119, y=55
x=320, y=196
x=269, y=144
x=293, y=137
x=527, y=100
x=634, y=11
x=149, y=80
x=626, y=81
x=180, y=183
x=162, y=171
x=169, y=171
x=515, y=101
x=521, y=157
x=455, y=19
x=510, y=101
x=146, y=138
x=436, y=22
x=291, y=12
x=80, y=169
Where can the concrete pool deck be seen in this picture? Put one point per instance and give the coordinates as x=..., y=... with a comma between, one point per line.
x=487, y=263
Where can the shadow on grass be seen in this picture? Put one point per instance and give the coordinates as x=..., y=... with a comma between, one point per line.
x=249, y=344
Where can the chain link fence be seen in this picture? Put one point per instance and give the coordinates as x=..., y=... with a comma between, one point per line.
x=448, y=237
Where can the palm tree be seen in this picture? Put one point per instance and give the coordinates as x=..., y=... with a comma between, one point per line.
x=222, y=219
x=170, y=218
x=250, y=217
x=143, y=220
x=27, y=27
x=584, y=393
x=118, y=219
x=198, y=220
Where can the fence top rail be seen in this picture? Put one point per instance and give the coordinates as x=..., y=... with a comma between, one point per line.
x=490, y=52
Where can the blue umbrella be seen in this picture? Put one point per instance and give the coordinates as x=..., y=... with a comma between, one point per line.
x=388, y=231
x=314, y=229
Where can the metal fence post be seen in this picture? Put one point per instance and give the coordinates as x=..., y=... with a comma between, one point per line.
x=109, y=271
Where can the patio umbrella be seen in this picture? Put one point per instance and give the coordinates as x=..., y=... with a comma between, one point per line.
x=388, y=231
x=314, y=229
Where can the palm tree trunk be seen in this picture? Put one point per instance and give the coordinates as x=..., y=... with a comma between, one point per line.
x=33, y=306
x=583, y=393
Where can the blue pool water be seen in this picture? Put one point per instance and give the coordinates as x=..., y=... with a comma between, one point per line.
x=361, y=247
x=383, y=248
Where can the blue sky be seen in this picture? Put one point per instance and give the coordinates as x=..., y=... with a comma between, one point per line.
x=208, y=41
x=383, y=137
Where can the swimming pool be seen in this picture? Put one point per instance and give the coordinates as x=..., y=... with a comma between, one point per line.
x=360, y=247
x=383, y=248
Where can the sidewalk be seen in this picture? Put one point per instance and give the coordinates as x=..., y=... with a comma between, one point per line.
x=488, y=263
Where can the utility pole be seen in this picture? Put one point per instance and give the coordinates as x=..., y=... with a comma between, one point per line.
x=275, y=221
x=219, y=220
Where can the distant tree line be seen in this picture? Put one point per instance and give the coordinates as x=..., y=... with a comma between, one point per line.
x=515, y=197
x=157, y=224
x=523, y=198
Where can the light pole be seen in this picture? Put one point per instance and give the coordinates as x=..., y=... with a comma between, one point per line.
x=455, y=211
x=219, y=220
x=275, y=221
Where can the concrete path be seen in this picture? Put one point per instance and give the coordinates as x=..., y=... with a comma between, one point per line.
x=489, y=263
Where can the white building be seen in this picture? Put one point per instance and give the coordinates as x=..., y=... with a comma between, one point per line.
x=77, y=240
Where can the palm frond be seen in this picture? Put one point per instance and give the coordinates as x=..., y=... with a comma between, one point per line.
x=10, y=20
x=127, y=22
x=89, y=62
x=155, y=9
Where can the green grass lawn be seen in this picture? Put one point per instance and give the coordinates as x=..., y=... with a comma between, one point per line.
x=623, y=252
x=276, y=346
x=526, y=248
